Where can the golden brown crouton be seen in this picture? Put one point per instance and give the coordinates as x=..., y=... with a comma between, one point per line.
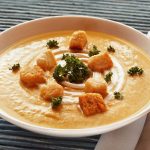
x=100, y=62
x=32, y=76
x=53, y=89
x=78, y=40
x=46, y=61
x=92, y=103
x=96, y=86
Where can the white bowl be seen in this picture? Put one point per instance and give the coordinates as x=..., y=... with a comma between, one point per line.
x=48, y=24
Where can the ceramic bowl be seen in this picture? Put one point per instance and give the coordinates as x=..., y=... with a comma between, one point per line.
x=60, y=23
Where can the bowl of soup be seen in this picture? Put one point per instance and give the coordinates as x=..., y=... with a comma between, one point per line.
x=73, y=76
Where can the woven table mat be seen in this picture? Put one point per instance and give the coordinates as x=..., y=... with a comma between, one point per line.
x=130, y=12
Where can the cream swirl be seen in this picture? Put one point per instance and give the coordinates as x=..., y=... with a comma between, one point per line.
x=71, y=96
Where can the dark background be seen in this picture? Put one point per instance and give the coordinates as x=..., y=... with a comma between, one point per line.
x=131, y=12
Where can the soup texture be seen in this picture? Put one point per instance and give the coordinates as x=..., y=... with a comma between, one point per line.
x=73, y=79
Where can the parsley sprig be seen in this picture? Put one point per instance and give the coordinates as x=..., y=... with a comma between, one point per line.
x=15, y=67
x=56, y=102
x=94, y=51
x=108, y=77
x=135, y=71
x=52, y=44
x=110, y=49
x=118, y=95
x=75, y=71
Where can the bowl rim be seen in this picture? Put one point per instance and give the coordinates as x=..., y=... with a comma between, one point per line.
x=83, y=131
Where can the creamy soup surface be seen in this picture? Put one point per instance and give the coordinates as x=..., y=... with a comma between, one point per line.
x=26, y=104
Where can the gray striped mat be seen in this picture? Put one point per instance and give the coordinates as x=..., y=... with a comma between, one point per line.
x=12, y=12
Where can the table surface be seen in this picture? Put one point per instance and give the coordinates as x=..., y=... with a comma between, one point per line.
x=131, y=12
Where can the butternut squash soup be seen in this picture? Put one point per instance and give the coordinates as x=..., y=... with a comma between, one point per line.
x=73, y=79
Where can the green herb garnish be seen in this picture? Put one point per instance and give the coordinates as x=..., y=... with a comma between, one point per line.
x=59, y=73
x=15, y=67
x=108, y=77
x=56, y=101
x=118, y=95
x=110, y=49
x=94, y=51
x=75, y=71
x=52, y=44
x=65, y=56
x=135, y=71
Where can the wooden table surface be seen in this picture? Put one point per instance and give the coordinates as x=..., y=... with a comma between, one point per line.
x=130, y=12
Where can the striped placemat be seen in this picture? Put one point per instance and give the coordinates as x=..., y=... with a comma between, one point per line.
x=131, y=12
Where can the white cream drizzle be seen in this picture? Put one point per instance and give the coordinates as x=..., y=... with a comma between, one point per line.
x=73, y=85
x=118, y=79
x=116, y=84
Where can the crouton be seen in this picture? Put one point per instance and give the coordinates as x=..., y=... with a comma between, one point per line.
x=32, y=76
x=96, y=86
x=53, y=89
x=46, y=61
x=100, y=62
x=92, y=103
x=78, y=40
